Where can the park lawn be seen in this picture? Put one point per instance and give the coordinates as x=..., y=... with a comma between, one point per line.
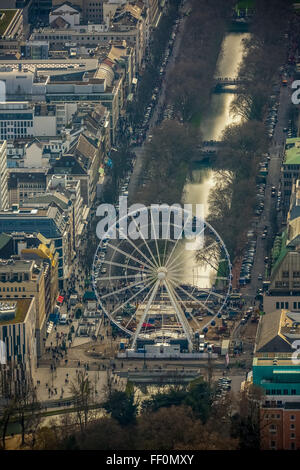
x=242, y=4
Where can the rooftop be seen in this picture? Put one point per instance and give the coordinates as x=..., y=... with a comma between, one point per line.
x=292, y=151
x=21, y=312
x=15, y=265
x=5, y=18
x=282, y=362
x=277, y=331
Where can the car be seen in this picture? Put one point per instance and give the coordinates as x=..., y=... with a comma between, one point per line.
x=103, y=270
x=259, y=277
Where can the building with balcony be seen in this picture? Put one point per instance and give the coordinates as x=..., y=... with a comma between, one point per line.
x=52, y=222
x=280, y=425
x=23, y=279
x=22, y=120
x=17, y=334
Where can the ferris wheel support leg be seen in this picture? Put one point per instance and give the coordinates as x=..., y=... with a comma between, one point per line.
x=180, y=315
x=149, y=303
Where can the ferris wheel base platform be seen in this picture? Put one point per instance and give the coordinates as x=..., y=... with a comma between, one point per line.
x=130, y=354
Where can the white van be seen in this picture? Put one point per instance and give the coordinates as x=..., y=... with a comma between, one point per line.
x=63, y=319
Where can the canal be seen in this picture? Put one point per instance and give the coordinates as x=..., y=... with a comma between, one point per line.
x=201, y=179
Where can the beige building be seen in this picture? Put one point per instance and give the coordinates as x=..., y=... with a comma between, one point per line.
x=284, y=287
x=22, y=279
x=128, y=23
x=11, y=31
x=17, y=337
x=25, y=182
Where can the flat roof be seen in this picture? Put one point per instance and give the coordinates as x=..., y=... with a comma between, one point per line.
x=262, y=361
x=5, y=21
x=292, y=151
x=21, y=311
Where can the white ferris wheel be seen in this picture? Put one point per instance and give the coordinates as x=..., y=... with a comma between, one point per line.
x=153, y=287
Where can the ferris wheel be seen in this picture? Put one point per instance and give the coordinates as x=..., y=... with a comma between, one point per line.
x=157, y=283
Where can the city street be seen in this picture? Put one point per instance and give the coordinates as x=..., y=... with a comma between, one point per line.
x=276, y=154
x=140, y=151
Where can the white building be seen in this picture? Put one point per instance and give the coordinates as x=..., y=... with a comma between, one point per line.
x=19, y=120
x=21, y=83
x=3, y=176
x=71, y=188
x=65, y=13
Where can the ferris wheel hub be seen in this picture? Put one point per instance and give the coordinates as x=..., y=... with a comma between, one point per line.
x=162, y=273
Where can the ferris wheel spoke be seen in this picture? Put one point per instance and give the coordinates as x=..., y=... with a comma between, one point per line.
x=179, y=238
x=175, y=268
x=192, y=297
x=116, y=278
x=148, y=248
x=183, y=304
x=115, y=248
x=132, y=297
x=206, y=248
x=140, y=252
x=122, y=289
x=144, y=299
x=168, y=264
x=114, y=263
x=155, y=239
x=165, y=244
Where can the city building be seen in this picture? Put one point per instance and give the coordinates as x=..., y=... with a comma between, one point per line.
x=35, y=50
x=17, y=331
x=24, y=182
x=41, y=9
x=276, y=370
x=21, y=120
x=11, y=30
x=46, y=257
x=25, y=279
x=37, y=248
x=52, y=222
x=70, y=187
x=3, y=176
x=284, y=285
x=280, y=425
x=82, y=163
x=101, y=87
x=64, y=15
x=290, y=170
x=127, y=24
x=91, y=10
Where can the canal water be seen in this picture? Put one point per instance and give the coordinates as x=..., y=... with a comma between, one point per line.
x=218, y=116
